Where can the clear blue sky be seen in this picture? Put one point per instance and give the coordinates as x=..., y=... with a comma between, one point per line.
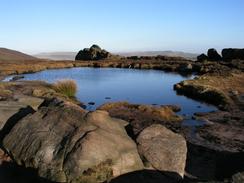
x=121, y=25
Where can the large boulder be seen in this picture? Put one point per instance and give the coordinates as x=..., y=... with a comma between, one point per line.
x=213, y=55
x=92, y=53
x=68, y=144
x=202, y=58
x=232, y=54
x=163, y=149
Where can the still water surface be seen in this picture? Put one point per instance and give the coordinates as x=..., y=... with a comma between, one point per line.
x=101, y=85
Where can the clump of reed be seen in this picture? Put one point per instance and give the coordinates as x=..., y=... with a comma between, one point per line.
x=66, y=87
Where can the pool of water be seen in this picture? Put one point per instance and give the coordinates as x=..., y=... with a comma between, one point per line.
x=101, y=85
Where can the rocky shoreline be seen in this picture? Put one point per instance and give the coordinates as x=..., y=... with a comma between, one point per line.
x=125, y=138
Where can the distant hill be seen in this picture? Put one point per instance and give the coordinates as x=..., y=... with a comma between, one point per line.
x=57, y=55
x=12, y=55
x=165, y=53
x=71, y=55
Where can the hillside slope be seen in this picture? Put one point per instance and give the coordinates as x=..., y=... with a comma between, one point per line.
x=12, y=55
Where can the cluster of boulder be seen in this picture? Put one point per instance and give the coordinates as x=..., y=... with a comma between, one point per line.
x=228, y=54
x=65, y=143
x=93, y=53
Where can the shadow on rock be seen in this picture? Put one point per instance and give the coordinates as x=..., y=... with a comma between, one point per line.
x=148, y=176
x=12, y=173
x=209, y=164
x=15, y=119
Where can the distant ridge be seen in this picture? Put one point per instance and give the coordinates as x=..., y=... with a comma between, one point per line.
x=165, y=53
x=71, y=55
x=57, y=55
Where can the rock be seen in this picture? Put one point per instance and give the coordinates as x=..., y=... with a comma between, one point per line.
x=202, y=58
x=34, y=102
x=224, y=132
x=205, y=163
x=142, y=116
x=2, y=98
x=213, y=55
x=213, y=146
x=145, y=176
x=44, y=92
x=238, y=177
x=186, y=68
x=163, y=149
x=91, y=103
x=11, y=111
x=68, y=144
x=232, y=54
x=189, y=67
x=92, y=53
x=38, y=93
x=15, y=78
x=4, y=157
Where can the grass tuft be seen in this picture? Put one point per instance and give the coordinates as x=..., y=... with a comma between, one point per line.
x=66, y=87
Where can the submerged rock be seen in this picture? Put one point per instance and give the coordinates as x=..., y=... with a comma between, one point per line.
x=15, y=78
x=67, y=144
x=163, y=149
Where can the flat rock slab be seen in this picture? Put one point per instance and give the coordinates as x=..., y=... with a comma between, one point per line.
x=33, y=102
x=68, y=144
x=8, y=109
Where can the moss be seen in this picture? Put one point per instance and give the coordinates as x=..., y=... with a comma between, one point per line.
x=97, y=174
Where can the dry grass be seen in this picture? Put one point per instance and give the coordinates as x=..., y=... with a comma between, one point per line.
x=66, y=87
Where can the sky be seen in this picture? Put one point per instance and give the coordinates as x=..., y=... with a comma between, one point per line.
x=34, y=26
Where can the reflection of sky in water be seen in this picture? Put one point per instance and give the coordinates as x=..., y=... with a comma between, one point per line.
x=135, y=86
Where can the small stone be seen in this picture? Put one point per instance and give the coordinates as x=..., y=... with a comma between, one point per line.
x=91, y=103
x=15, y=78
